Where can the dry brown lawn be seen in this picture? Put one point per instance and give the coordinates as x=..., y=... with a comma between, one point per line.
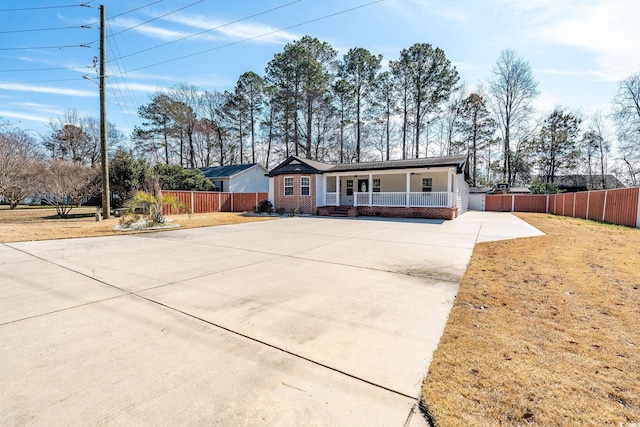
x=26, y=224
x=544, y=331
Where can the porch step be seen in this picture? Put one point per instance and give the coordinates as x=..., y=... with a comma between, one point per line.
x=339, y=211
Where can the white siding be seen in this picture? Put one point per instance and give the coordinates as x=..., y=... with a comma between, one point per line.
x=320, y=199
x=271, y=195
x=462, y=194
x=252, y=180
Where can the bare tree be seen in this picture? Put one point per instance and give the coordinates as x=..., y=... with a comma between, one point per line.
x=20, y=165
x=66, y=184
x=513, y=89
x=626, y=113
x=70, y=140
x=596, y=147
x=185, y=112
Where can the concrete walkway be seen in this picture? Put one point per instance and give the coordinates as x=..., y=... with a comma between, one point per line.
x=300, y=321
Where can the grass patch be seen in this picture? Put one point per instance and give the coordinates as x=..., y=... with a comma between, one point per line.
x=73, y=216
x=21, y=225
x=544, y=331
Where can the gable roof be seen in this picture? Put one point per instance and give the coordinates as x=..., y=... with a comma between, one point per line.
x=298, y=165
x=225, y=172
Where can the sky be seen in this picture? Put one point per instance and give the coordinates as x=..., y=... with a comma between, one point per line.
x=578, y=49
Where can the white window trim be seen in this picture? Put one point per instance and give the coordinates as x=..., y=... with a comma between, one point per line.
x=308, y=186
x=293, y=185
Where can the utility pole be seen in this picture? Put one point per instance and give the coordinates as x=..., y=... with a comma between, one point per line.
x=106, y=202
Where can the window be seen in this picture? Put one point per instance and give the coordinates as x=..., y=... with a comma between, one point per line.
x=288, y=186
x=427, y=184
x=304, y=186
x=376, y=185
x=349, y=187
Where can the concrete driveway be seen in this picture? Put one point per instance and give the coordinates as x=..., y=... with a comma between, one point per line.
x=300, y=321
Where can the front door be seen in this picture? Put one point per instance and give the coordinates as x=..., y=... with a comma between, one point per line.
x=363, y=186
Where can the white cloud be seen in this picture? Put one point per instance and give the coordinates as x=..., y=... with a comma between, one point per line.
x=146, y=29
x=34, y=106
x=606, y=29
x=140, y=87
x=261, y=32
x=23, y=116
x=45, y=89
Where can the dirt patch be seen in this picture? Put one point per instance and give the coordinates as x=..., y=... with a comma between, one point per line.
x=21, y=225
x=544, y=331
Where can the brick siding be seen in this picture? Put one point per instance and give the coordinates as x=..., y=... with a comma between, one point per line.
x=430, y=213
x=303, y=204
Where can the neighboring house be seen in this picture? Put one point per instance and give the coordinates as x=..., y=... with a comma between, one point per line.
x=250, y=178
x=434, y=187
x=574, y=183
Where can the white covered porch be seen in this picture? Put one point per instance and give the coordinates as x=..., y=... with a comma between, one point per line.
x=409, y=188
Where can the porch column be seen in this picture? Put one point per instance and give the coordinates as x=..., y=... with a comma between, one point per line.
x=408, y=189
x=337, y=190
x=324, y=187
x=449, y=189
x=370, y=189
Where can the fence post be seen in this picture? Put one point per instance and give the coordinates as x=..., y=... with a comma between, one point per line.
x=574, y=204
x=513, y=203
x=547, y=210
x=604, y=207
x=638, y=217
x=219, y=201
x=256, y=200
x=588, y=200
x=232, y=207
x=192, y=202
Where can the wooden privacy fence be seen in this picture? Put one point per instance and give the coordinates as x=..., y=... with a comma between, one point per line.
x=209, y=201
x=619, y=206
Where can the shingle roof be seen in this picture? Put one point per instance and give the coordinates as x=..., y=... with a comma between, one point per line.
x=221, y=172
x=298, y=165
x=401, y=164
x=314, y=164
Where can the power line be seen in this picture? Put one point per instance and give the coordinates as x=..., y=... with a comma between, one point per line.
x=128, y=11
x=22, y=70
x=133, y=10
x=208, y=30
x=156, y=18
x=44, y=47
x=47, y=7
x=43, y=29
x=38, y=81
x=125, y=83
x=258, y=36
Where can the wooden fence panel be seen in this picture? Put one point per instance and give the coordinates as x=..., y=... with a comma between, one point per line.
x=596, y=205
x=552, y=203
x=208, y=201
x=225, y=202
x=205, y=202
x=582, y=201
x=530, y=203
x=498, y=203
x=622, y=206
x=183, y=196
x=567, y=200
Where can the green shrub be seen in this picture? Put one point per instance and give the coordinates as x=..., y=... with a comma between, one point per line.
x=264, y=206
